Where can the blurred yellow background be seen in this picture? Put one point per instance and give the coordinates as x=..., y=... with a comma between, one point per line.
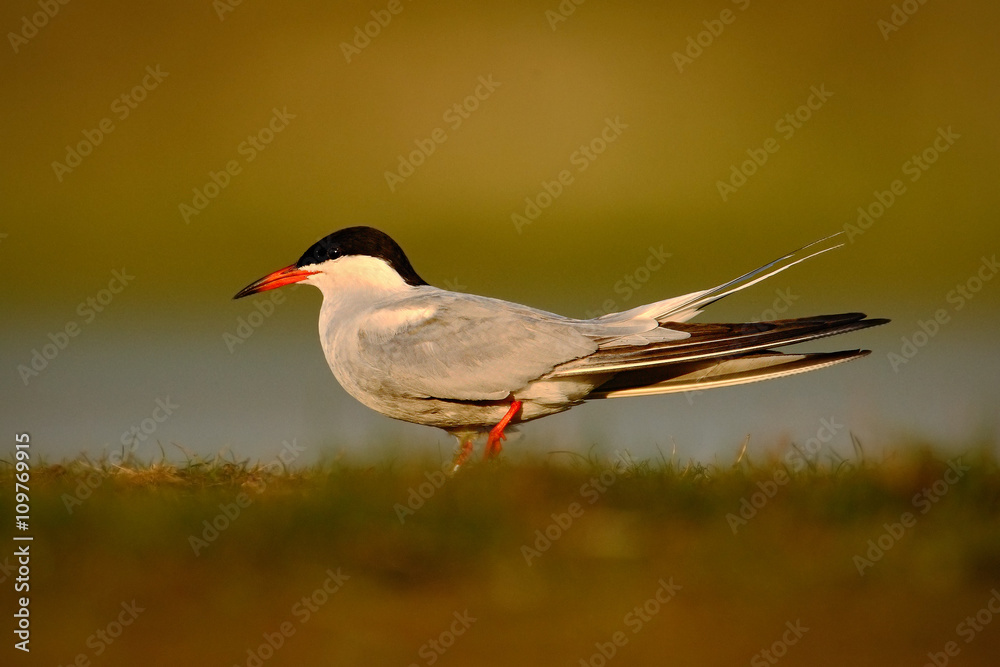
x=122, y=118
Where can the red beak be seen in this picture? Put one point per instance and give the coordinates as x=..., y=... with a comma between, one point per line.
x=286, y=276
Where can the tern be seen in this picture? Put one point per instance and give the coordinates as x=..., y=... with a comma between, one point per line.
x=473, y=364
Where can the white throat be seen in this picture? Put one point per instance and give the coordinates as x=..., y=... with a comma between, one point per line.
x=355, y=281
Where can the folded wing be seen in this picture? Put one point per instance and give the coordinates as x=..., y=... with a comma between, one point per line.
x=468, y=348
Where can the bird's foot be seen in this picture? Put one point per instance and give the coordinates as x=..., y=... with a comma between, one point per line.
x=493, y=445
x=463, y=454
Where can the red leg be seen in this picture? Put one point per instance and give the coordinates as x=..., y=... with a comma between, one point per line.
x=463, y=454
x=493, y=446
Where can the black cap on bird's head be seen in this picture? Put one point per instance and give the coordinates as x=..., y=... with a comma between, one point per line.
x=351, y=241
x=361, y=241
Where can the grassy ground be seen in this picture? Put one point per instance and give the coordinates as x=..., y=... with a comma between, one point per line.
x=549, y=562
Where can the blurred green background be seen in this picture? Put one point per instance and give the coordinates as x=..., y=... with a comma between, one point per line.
x=157, y=365
x=656, y=186
x=552, y=557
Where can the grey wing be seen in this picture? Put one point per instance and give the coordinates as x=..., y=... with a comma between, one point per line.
x=464, y=347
